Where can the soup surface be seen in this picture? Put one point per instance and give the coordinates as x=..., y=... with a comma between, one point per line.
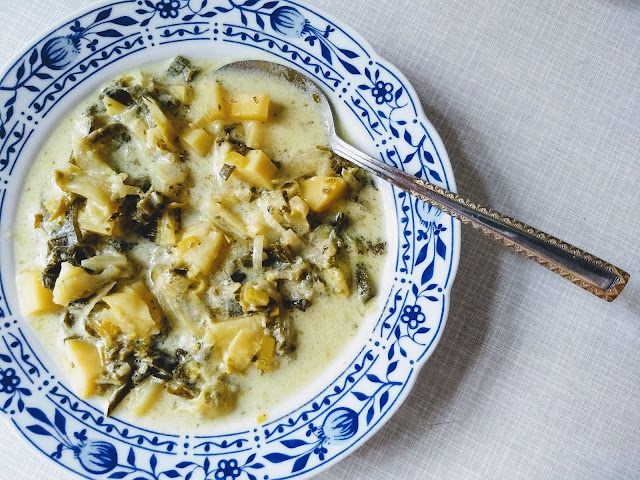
x=190, y=243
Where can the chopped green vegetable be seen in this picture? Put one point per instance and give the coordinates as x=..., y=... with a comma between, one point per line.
x=301, y=304
x=182, y=66
x=366, y=290
x=120, y=95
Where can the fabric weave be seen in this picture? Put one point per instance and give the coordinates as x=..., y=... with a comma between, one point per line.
x=538, y=105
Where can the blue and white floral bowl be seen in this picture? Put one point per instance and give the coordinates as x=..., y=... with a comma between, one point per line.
x=380, y=113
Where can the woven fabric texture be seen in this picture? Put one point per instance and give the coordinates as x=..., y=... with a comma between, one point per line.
x=538, y=105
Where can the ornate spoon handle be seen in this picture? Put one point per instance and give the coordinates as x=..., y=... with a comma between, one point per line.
x=585, y=270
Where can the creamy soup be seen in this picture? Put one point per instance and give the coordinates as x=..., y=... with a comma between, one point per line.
x=190, y=243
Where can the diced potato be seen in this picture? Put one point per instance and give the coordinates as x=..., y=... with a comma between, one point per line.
x=221, y=334
x=210, y=105
x=112, y=106
x=266, y=353
x=255, y=168
x=337, y=280
x=198, y=140
x=184, y=93
x=34, y=297
x=255, y=135
x=248, y=106
x=168, y=178
x=290, y=239
x=85, y=366
x=129, y=311
x=200, y=254
x=146, y=395
x=242, y=349
x=256, y=297
x=95, y=217
x=236, y=159
x=299, y=205
x=321, y=193
x=75, y=283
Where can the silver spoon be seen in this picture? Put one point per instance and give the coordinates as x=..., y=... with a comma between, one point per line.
x=585, y=270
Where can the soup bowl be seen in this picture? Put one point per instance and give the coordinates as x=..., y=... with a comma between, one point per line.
x=376, y=109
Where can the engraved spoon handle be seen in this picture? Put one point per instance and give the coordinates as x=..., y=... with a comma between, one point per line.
x=585, y=270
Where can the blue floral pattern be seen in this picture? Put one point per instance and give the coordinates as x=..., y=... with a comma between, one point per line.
x=75, y=433
x=9, y=381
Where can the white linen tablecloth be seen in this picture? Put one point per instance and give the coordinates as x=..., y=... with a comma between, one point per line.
x=538, y=105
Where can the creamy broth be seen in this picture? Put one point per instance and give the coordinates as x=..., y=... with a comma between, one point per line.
x=327, y=324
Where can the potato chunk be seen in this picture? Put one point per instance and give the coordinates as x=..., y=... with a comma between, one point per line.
x=336, y=280
x=129, y=312
x=200, y=253
x=248, y=106
x=266, y=353
x=221, y=334
x=210, y=105
x=255, y=134
x=239, y=340
x=241, y=350
x=256, y=297
x=95, y=217
x=168, y=178
x=85, y=366
x=146, y=395
x=255, y=168
x=197, y=140
x=321, y=193
x=112, y=106
x=75, y=283
x=34, y=297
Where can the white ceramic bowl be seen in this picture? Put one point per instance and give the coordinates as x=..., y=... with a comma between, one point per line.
x=381, y=114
